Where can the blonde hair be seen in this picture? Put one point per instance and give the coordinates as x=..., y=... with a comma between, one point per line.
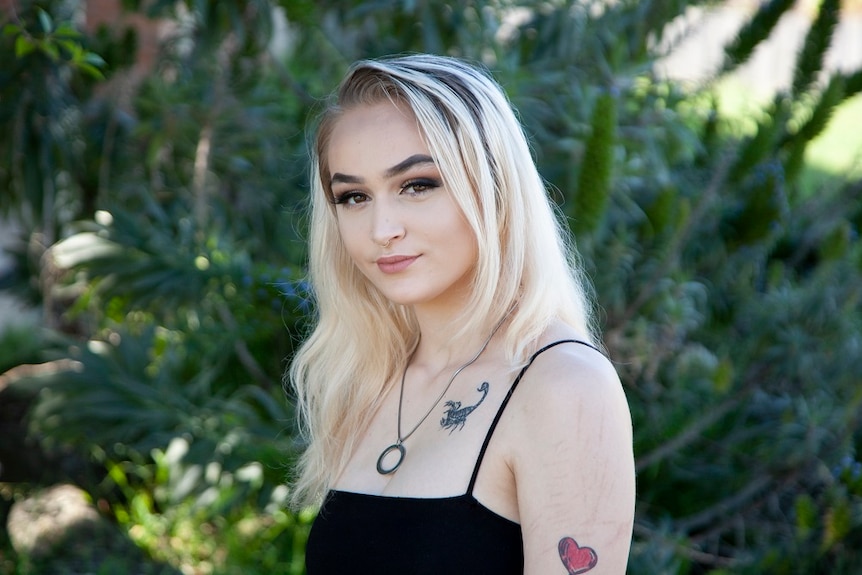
x=525, y=261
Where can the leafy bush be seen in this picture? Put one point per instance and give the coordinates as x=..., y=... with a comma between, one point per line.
x=730, y=294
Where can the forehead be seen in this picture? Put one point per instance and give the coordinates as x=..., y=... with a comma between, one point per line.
x=371, y=138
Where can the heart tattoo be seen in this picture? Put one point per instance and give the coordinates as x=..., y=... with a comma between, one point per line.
x=575, y=558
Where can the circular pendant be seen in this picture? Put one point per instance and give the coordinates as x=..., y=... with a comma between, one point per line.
x=387, y=470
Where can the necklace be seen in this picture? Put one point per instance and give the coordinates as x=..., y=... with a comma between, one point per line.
x=399, y=445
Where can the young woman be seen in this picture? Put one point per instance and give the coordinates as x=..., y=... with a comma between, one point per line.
x=459, y=415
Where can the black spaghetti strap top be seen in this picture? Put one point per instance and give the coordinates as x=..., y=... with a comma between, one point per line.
x=377, y=534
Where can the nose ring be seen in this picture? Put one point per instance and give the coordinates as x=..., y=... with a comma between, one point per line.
x=389, y=241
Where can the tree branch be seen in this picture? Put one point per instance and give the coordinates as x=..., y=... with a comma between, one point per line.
x=689, y=434
x=241, y=349
x=726, y=506
x=701, y=557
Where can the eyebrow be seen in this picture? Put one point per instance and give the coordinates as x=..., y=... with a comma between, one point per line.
x=399, y=168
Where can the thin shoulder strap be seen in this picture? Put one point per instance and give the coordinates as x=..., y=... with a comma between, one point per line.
x=506, y=402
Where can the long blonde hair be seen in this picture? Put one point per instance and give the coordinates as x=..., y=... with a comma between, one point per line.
x=526, y=262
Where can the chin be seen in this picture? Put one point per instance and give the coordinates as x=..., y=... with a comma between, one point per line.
x=407, y=296
x=404, y=299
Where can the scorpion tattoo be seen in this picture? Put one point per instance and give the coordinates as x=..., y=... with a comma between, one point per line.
x=456, y=416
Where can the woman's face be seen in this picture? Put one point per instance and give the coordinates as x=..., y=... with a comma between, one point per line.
x=398, y=221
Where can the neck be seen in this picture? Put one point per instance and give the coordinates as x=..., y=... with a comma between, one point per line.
x=437, y=350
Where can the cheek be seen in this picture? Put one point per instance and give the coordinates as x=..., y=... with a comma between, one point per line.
x=461, y=240
x=350, y=236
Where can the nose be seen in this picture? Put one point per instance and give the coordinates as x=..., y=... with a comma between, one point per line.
x=386, y=225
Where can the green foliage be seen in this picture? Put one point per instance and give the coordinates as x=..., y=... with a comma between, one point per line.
x=731, y=299
x=594, y=182
x=756, y=149
x=22, y=344
x=759, y=209
x=810, y=60
x=193, y=470
x=755, y=31
x=194, y=511
x=59, y=43
x=854, y=83
x=48, y=70
x=829, y=99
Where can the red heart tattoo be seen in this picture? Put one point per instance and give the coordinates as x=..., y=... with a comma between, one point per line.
x=576, y=559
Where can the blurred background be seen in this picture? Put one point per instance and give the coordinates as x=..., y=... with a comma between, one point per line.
x=153, y=182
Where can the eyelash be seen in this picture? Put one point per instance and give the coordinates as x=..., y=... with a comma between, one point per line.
x=345, y=198
x=425, y=185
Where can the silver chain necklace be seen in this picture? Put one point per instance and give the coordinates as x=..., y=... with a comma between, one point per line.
x=399, y=445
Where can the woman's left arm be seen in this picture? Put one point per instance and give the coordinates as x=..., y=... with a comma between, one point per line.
x=574, y=466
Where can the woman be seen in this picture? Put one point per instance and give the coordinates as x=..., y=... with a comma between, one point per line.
x=459, y=417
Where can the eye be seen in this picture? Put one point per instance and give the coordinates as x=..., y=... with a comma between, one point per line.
x=420, y=186
x=350, y=198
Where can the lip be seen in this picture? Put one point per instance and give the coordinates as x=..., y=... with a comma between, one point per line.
x=394, y=264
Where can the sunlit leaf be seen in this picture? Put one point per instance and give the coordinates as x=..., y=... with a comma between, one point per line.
x=23, y=46
x=11, y=30
x=65, y=30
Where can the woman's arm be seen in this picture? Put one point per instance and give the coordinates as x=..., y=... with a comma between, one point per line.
x=573, y=465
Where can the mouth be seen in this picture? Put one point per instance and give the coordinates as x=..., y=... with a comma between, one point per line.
x=394, y=264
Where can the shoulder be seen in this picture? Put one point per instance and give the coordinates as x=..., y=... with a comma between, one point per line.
x=569, y=406
x=573, y=378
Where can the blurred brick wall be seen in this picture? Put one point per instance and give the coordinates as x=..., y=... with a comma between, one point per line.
x=6, y=6
x=110, y=13
x=149, y=32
